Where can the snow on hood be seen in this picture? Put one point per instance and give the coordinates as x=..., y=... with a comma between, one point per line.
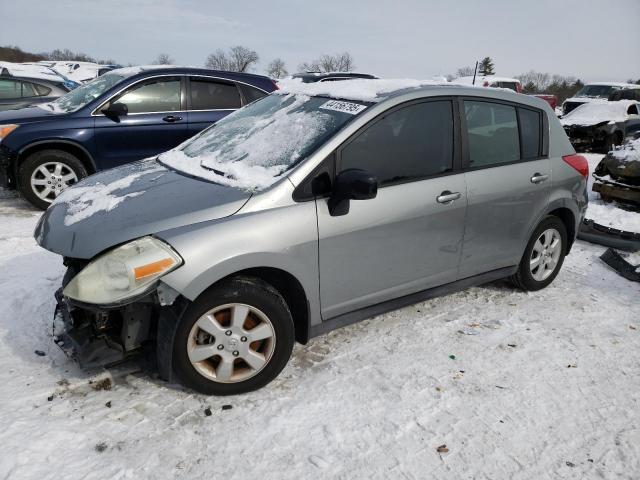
x=595, y=112
x=629, y=152
x=362, y=89
x=84, y=201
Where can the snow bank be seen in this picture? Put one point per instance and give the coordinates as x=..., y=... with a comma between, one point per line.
x=629, y=152
x=366, y=90
x=595, y=112
x=250, y=152
x=84, y=201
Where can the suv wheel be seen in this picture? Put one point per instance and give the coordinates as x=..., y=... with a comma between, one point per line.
x=235, y=338
x=543, y=256
x=45, y=174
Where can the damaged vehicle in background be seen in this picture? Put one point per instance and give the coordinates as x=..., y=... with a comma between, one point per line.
x=601, y=125
x=617, y=176
x=594, y=92
x=288, y=219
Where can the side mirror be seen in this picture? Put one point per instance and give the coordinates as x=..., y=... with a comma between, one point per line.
x=352, y=184
x=115, y=110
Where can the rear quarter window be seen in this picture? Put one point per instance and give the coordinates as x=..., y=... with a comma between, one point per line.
x=250, y=93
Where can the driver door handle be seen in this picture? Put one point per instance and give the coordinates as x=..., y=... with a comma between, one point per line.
x=539, y=178
x=447, y=197
x=171, y=119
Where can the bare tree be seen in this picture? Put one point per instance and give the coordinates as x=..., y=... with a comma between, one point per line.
x=277, y=68
x=341, y=62
x=465, y=71
x=163, y=59
x=536, y=82
x=237, y=59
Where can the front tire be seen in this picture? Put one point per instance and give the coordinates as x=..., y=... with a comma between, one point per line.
x=543, y=256
x=236, y=337
x=45, y=174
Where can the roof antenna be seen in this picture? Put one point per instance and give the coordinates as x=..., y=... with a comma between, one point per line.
x=474, y=74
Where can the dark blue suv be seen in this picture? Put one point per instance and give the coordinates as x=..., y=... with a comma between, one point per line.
x=125, y=115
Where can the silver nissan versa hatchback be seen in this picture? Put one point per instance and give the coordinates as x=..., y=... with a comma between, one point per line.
x=310, y=209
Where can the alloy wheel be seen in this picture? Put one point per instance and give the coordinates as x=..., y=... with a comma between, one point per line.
x=545, y=254
x=50, y=179
x=231, y=343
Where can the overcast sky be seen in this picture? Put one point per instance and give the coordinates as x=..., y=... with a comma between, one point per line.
x=590, y=39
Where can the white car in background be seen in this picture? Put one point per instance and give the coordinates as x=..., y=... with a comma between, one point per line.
x=80, y=72
x=490, y=81
x=594, y=91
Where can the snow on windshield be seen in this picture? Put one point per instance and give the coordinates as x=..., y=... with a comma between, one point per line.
x=84, y=201
x=79, y=97
x=367, y=90
x=250, y=148
x=596, y=112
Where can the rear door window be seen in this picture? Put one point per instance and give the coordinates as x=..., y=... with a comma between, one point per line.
x=157, y=95
x=492, y=132
x=529, y=133
x=213, y=95
x=29, y=90
x=10, y=89
x=411, y=143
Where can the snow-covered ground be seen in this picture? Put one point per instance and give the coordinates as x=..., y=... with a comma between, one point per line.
x=542, y=385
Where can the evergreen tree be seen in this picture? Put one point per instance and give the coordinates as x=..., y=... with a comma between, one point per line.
x=486, y=66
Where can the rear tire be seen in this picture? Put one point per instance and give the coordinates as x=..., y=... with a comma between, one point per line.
x=542, y=258
x=215, y=355
x=45, y=174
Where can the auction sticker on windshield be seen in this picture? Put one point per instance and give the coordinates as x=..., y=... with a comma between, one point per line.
x=346, y=107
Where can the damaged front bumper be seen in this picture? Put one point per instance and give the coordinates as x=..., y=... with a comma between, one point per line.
x=97, y=337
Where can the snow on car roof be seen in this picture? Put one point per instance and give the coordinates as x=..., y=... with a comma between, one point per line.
x=366, y=90
x=31, y=71
x=595, y=112
x=614, y=84
x=129, y=71
x=629, y=152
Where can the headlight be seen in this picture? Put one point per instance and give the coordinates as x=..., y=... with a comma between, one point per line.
x=6, y=130
x=124, y=272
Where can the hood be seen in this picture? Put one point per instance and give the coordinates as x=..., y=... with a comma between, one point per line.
x=128, y=202
x=28, y=114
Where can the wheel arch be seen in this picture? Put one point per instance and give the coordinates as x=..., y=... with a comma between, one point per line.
x=291, y=290
x=68, y=146
x=569, y=220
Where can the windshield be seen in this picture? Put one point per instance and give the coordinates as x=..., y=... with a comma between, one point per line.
x=251, y=147
x=598, y=91
x=79, y=97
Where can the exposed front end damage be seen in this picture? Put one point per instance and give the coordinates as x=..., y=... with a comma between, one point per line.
x=104, y=336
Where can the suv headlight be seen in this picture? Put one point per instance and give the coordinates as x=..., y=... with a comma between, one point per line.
x=124, y=272
x=6, y=130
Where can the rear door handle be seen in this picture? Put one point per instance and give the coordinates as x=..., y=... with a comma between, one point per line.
x=539, y=178
x=171, y=119
x=447, y=197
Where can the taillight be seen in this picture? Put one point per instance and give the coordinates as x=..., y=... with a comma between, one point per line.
x=275, y=85
x=579, y=163
x=485, y=84
x=518, y=88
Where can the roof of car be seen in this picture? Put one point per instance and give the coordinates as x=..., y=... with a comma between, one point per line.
x=175, y=69
x=378, y=90
x=30, y=71
x=614, y=84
